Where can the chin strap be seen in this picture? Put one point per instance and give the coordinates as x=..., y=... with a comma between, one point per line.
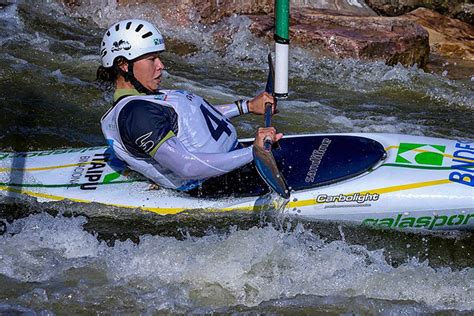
x=130, y=77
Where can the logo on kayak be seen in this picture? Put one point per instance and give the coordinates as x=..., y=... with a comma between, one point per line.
x=341, y=198
x=463, y=163
x=420, y=154
x=93, y=173
x=426, y=222
x=79, y=170
x=316, y=158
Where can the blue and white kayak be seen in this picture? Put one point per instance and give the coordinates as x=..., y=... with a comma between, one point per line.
x=382, y=180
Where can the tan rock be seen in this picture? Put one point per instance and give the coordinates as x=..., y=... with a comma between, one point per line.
x=215, y=10
x=212, y=11
x=447, y=37
x=392, y=40
x=399, y=7
x=332, y=30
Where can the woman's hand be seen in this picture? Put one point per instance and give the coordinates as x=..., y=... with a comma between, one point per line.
x=264, y=133
x=257, y=104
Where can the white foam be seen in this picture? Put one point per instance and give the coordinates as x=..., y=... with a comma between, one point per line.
x=244, y=267
x=43, y=247
x=355, y=3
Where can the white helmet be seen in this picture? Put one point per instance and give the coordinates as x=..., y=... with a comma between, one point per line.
x=130, y=39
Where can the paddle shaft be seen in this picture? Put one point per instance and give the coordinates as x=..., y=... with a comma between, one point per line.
x=263, y=157
x=267, y=142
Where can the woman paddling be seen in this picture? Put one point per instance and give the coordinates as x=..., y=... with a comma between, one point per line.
x=175, y=138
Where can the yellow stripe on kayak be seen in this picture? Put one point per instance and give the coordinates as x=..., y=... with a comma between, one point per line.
x=176, y=210
x=158, y=210
x=45, y=168
x=40, y=195
x=427, y=151
x=379, y=191
x=406, y=187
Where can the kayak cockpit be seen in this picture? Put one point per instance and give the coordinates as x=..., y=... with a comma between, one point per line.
x=305, y=162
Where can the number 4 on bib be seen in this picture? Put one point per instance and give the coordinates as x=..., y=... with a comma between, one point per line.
x=221, y=124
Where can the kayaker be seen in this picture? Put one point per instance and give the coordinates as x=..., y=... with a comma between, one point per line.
x=173, y=137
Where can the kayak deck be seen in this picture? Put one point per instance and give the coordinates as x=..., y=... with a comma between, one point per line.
x=305, y=162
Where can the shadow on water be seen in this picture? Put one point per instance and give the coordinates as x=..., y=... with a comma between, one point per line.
x=331, y=305
x=17, y=173
x=440, y=248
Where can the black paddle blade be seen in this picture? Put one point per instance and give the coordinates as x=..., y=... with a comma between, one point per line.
x=268, y=170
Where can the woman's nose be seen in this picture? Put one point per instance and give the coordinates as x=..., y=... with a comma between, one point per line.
x=159, y=64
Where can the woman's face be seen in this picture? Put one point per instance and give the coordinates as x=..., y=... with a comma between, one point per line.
x=147, y=70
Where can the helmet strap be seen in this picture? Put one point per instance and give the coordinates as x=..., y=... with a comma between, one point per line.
x=129, y=76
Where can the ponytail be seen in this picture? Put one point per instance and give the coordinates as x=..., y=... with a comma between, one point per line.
x=108, y=76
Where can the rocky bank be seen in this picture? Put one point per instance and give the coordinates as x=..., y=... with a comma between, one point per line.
x=340, y=28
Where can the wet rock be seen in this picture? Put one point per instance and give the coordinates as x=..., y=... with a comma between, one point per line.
x=215, y=10
x=465, y=13
x=400, y=7
x=186, y=12
x=460, y=9
x=212, y=11
x=448, y=37
x=393, y=40
x=341, y=28
x=343, y=7
x=175, y=12
x=452, y=68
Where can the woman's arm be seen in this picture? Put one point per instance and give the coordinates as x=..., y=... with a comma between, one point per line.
x=173, y=156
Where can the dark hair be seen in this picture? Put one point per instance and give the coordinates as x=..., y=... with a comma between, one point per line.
x=107, y=76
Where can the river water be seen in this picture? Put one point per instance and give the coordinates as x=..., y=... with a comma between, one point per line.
x=232, y=263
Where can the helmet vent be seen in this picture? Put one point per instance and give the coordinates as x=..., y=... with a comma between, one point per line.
x=117, y=27
x=139, y=28
x=147, y=35
x=128, y=25
x=108, y=33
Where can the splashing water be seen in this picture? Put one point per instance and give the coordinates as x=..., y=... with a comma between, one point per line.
x=48, y=59
x=238, y=268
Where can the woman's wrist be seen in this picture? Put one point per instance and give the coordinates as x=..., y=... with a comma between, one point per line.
x=242, y=106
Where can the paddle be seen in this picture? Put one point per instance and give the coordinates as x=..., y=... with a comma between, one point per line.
x=269, y=88
x=263, y=157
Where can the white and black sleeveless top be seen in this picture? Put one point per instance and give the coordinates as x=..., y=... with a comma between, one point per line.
x=136, y=126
